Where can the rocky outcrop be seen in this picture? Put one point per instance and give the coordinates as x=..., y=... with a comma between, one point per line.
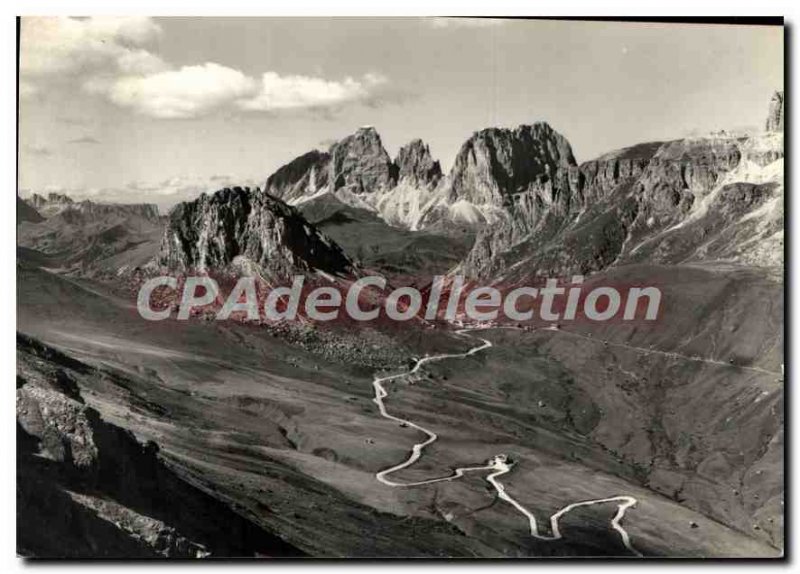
x=359, y=164
x=416, y=166
x=775, y=116
x=684, y=172
x=494, y=169
x=252, y=227
x=358, y=171
x=550, y=205
x=697, y=199
x=495, y=163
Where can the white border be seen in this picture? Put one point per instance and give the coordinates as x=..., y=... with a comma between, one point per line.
x=321, y=8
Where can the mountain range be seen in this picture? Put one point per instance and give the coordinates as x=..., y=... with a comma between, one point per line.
x=530, y=207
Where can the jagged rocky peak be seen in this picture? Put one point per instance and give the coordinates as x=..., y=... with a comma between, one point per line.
x=498, y=162
x=775, y=117
x=306, y=174
x=497, y=169
x=416, y=166
x=243, y=228
x=359, y=163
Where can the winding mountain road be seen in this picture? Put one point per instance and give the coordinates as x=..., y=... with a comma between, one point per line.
x=499, y=465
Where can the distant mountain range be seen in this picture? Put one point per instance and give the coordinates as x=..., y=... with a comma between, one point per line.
x=530, y=207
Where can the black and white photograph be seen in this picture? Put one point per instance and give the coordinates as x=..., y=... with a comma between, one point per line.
x=441, y=287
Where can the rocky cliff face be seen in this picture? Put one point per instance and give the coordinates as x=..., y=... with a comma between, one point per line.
x=358, y=172
x=359, y=164
x=249, y=227
x=775, y=116
x=658, y=202
x=547, y=208
x=496, y=163
x=492, y=166
x=493, y=170
x=520, y=188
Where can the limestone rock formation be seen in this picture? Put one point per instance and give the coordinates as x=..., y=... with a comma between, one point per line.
x=214, y=230
x=495, y=163
x=492, y=169
x=547, y=208
x=359, y=164
x=711, y=198
x=416, y=166
x=302, y=177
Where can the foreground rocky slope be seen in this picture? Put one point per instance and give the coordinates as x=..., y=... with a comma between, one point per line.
x=89, y=489
x=289, y=436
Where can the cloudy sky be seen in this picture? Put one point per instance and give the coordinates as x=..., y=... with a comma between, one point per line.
x=161, y=109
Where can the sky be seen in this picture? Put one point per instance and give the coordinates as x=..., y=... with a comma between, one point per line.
x=160, y=110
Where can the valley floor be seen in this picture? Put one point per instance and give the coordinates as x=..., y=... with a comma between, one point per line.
x=292, y=440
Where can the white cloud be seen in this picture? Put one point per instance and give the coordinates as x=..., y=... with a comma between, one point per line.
x=59, y=46
x=464, y=22
x=297, y=92
x=187, y=92
x=193, y=91
x=109, y=57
